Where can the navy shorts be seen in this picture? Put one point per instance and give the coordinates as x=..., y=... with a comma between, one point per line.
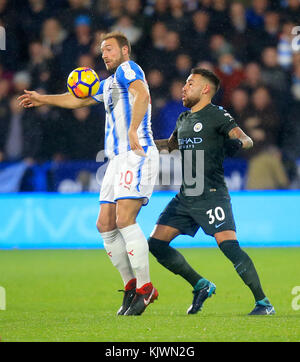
x=212, y=215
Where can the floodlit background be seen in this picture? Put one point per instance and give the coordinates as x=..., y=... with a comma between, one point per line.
x=49, y=192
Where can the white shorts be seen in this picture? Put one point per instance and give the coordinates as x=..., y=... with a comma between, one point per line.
x=129, y=176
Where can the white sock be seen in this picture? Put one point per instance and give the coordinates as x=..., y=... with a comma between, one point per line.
x=115, y=247
x=138, y=252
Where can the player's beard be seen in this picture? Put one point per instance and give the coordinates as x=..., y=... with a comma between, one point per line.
x=116, y=63
x=190, y=102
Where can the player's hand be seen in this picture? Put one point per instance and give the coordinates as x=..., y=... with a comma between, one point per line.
x=232, y=146
x=30, y=99
x=135, y=144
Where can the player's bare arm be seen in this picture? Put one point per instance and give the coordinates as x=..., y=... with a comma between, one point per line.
x=238, y=133
x=33, y=99
x=169, y=144
x=139, y=108
x=162, y=144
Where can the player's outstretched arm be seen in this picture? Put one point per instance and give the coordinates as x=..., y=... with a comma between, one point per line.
x=34, y=99
x=238, y=133
x=167, y=144
x=162, y=144
x=237, y=140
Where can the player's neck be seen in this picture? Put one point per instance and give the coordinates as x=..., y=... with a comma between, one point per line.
x=123, y=60
x=200, y=105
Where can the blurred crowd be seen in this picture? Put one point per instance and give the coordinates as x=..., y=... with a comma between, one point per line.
x=250, y=45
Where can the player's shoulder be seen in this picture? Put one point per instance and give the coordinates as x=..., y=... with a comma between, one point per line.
x=184, y=114
x=220, y=112
x=182, y=117
x=223, y=120
x=129, y=70
x=130, y=64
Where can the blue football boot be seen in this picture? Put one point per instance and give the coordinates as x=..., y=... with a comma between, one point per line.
x=263, y=307
x=200, y=297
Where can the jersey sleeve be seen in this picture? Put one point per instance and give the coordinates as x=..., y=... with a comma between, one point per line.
x=225, y=122
x=99, y=95
x=128, y=72
x=178, y=122
x=175, y=132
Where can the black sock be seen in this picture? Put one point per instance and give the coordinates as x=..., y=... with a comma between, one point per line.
x=244, y=266
x=171, y=259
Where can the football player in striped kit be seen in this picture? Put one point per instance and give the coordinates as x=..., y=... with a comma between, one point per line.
x=132, y=169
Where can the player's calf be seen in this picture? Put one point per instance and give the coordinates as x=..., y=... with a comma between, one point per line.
x=243, y=266
x=137, y=251
x=246, y=270
x=173, y=260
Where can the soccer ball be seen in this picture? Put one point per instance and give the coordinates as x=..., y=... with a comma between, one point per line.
x=83, y=82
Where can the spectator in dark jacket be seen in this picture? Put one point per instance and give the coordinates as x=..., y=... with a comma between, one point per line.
x=23, y=136
x=239, y=106
x=263, y=123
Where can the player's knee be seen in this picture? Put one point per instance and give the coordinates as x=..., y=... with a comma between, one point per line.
x=157, y=247
x=124, y=220
x=104, y=226
x=166, y=255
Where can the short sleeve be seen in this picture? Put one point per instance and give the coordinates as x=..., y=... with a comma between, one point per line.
x=225, y=122
x=99, y=95
x=178, y=122
x=128, y=72
x=175, y=133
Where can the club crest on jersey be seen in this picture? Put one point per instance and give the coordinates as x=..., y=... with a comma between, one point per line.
x=198, y=127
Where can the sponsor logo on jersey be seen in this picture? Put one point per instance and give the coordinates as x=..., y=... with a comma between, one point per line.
x=129, y=73
x=188, y=142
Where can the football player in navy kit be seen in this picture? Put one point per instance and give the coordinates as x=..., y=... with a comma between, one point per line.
x=207, y=133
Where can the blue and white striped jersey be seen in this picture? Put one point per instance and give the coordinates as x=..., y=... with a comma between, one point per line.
x=118, y=103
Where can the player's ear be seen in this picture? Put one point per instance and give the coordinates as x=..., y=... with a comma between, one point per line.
x=124, y=50
x=206, y=89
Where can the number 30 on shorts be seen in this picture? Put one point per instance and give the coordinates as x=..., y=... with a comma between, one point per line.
x=217, y=213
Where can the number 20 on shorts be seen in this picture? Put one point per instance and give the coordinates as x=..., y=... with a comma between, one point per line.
x=126, y=178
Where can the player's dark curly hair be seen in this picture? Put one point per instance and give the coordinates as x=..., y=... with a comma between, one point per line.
x=209, y=75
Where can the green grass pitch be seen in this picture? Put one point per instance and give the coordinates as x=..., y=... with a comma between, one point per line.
x=71, y=295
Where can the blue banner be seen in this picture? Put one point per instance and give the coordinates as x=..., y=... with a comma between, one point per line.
x=11, y=176
x=43, y=220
